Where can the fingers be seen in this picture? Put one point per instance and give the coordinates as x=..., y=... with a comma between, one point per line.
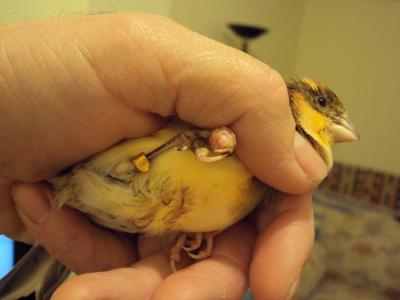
x=222, y=276
x=216, y=85
x=118, y=75
x=68, y=235
x=137, y=282
x=150, y=245
x=60, y=95
x=10, y=223
x=282, y=249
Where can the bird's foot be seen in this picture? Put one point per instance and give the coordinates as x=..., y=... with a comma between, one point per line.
x=204, y=248
x=217, y=144
x=207, y=145
x=198, y=246
x=175, y=255
x=192, y=243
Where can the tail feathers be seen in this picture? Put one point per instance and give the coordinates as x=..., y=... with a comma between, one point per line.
x=58, y=182
x=37, y=272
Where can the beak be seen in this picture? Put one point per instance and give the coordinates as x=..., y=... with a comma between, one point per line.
x=343, y=130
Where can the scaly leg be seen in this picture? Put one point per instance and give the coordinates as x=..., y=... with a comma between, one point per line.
x=175, y=251
x=193, y=244
x=207, y=145
x=193, y=247
x=208, y=238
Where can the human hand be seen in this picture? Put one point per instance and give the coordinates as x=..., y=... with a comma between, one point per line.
x=72, y=87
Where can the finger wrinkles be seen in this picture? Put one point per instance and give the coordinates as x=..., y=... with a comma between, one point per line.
x=222, y=276
x=282, y=248
x=136, y=282
x=81, y=245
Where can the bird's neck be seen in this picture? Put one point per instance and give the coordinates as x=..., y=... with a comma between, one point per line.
x=314, y=125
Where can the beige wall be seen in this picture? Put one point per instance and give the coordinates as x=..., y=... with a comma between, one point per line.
x=160, y=7
x=21, y=10
x=354, y=46
x=277, y=48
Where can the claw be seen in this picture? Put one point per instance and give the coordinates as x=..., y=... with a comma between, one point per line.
x=209, y=239
x=192, y=245
x=205, y=155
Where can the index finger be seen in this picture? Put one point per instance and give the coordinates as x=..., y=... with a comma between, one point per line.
x=147, y=66
x=282, y=248
x=215, y=85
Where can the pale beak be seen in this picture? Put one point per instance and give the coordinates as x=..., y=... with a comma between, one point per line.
x=343, y=130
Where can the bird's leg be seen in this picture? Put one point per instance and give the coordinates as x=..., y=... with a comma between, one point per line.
x=207, y=145
x=193, y=244
x=207, y=239
x=198, y=248
x=176, y=249
x=221, y=142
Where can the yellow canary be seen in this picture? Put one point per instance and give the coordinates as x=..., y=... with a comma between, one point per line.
x=188, y=181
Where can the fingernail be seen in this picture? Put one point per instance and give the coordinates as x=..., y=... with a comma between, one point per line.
x=310, y=161
x=293, y=288
x=32, y=201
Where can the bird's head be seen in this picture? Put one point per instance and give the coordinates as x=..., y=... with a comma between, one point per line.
x=320, y=116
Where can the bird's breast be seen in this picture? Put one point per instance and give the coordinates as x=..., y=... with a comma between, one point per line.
x=179, y=193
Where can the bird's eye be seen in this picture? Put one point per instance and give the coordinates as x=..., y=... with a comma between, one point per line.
x=322, y=101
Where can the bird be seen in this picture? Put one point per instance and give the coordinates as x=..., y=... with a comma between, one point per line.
x=185, y=181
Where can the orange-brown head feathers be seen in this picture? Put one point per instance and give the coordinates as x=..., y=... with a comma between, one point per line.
x=320, y=116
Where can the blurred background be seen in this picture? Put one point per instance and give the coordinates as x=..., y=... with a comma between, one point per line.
x=351, y=45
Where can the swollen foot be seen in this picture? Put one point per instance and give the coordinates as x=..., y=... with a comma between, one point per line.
x=207, y=145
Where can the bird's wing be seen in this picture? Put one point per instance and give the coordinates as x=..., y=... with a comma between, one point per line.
x=37, y=272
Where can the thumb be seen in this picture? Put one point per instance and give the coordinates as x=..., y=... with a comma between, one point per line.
x=213, y=85
x=124, y=72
